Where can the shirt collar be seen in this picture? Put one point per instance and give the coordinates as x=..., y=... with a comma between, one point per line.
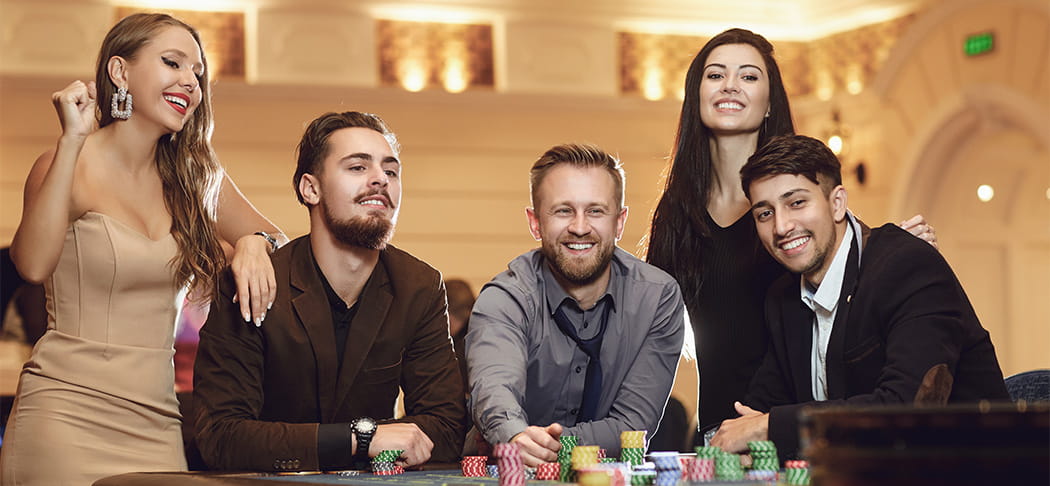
x=827, y=295
x=556, y=295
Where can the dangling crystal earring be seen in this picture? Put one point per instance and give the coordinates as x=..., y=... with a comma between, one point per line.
x=121, y=96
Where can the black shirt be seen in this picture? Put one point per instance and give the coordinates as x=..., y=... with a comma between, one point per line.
x=331, y=437
x=341, y=316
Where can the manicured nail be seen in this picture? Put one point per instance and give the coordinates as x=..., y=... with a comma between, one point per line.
x=258, y=321
x=247, y=318
x=269, y=306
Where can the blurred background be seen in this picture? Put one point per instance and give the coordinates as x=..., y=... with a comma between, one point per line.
x=939, y=107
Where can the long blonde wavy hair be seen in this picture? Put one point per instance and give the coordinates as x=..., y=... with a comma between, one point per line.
x=189, y=170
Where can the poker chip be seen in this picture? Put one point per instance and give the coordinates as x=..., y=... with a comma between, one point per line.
x=388, y=455
x=584, y=456
x=633, y=455
x=708, y=452
x=386, y=469
x=758, y=475
x=593, y=477
x=511, y=468
x=548, y=471
x=474, y=466
x=493, y=470
x=633, y=439
x=796, y=476
x=699, y=469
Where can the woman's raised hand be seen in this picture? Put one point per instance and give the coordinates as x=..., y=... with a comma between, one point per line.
x=75, y=105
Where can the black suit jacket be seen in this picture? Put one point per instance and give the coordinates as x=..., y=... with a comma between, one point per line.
x=900, y=313
x=262, y=392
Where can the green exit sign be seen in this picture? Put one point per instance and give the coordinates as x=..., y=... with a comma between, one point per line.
x=978, y=44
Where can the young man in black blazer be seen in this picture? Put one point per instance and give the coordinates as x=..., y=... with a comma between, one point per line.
x=866, y=317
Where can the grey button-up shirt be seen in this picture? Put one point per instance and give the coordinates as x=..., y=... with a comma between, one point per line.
x=524, y=371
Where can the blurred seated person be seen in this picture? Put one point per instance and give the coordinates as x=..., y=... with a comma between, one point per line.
x=865, y=316
x=460, y=302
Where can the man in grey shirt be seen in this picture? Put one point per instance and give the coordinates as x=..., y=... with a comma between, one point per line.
x=577, y=337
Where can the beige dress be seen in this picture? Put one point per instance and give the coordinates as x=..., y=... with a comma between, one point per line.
x=96, y=398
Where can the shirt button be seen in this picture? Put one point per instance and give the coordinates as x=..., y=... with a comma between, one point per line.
x=574, y=411
x=579, y=369
x=585, y=325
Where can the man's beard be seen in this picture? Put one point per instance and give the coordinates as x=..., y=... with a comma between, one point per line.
x=370, y=232
x=576, y=271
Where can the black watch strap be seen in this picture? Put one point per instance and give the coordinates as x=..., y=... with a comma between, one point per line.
x=364, y=429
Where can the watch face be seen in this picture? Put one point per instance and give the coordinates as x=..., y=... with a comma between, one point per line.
x=365, y=425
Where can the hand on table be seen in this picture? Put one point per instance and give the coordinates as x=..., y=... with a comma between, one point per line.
x=734, y=434
x=405, y=437
x=539, y=444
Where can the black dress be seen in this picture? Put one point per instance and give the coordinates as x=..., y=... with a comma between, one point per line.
x=728, y=320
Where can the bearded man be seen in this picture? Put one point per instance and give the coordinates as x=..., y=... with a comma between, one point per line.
x=355, y=319
x=577, y=337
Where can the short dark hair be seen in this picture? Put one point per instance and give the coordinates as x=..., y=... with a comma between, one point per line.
x=580, y=156
x=793, y=155
x=313, y=147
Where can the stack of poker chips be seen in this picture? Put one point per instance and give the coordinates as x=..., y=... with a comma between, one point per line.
x=643, y=475
x=668, y=468
x=796, y=473
x=492, y=470
x=548, y=471
x=632, y=447
x=584, y=457
x=530, y=473
x=727, y=466
x=383, y=463
x=474, y=466
x=594, y=477
x=565, y=472
x=511, y=468
x=699, y=469
x=763, y=455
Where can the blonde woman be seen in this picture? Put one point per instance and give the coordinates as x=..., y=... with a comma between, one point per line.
x=117, y=222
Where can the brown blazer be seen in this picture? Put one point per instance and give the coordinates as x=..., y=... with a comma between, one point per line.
x=261, y=392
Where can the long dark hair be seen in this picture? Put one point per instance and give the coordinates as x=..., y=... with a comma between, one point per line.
x=678, y=222
x=189, y=170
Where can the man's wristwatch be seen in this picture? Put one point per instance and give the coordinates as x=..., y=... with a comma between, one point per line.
x=364, y=429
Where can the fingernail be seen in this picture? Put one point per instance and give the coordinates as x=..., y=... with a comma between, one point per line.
x=247, y=318
x=258, y=321
x=269, y=306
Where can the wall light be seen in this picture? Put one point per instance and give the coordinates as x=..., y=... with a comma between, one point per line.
x=985, y=192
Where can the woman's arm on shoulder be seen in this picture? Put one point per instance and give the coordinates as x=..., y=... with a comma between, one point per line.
x=238, y=222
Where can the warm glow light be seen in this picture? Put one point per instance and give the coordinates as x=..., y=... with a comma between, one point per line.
x=653, y=84
x=454, y=76
x=430, y=14
x=825, y=86
x=1048, y=193
x=854, y=84
x=197, y=5
x=985, y=192
x=413, y=75
x=835, y=144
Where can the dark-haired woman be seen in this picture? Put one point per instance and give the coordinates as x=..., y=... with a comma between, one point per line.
x=702, y=232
